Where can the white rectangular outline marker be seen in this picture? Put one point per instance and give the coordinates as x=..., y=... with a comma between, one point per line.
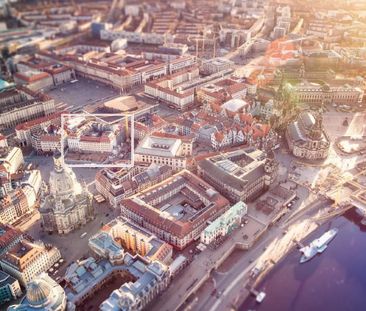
x=99, y=116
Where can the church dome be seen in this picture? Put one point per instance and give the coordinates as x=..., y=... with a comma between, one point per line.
x=63, y=182
x=38, y=292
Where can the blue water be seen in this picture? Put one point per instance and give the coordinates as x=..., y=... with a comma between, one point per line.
x=334, y=280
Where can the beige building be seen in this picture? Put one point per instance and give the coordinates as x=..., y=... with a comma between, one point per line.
x=26, y=130
x=120, y=236
x=116, y=184
x=13, y=206
x=164, y=150
x=168, y=90
x=11, y=158
x=26, y=260
x=17, y=203
x=34, y=80
x=314, y=93
x=22, y=105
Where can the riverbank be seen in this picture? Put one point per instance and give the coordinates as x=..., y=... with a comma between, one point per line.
x=339, y=271
x=280, y=248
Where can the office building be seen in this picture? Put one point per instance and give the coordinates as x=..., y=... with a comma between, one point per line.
x=177, y=209
x=240, y=175
x=26, y=260
x=9, y=288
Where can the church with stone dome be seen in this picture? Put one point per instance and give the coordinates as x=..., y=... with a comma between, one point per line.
x=65, y=205
x=307, y=138
x=43, y=293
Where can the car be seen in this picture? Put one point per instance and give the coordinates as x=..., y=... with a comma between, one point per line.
x=54, y=273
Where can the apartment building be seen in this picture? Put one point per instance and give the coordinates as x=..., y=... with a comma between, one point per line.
x=125, y=236
x=26, y=260
x=32, y=130
x=116, y=184
x=177, y=209
x=11, y=158
x=18, y=202
x=167, y=89
x=9, y=288
x=9, y=236
x=13, y=206
x=240, y=175
x=22, y=105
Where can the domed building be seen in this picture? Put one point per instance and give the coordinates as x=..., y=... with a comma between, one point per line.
x=43, y=293
x=307, y=138
x=67, y=205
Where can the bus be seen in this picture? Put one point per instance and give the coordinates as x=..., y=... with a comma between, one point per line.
x=74, y=81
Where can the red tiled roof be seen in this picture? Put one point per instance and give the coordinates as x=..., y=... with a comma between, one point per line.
x=219, y=136
x=34, y=77
x=30, y=124
x=52, y=138
x=9, y=235
x=168, y=135
x=177, y=227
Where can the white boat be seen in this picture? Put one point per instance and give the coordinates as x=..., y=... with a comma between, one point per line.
x=260, y=297
x=317, y=246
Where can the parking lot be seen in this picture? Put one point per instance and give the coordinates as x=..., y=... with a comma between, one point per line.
x=81, y=93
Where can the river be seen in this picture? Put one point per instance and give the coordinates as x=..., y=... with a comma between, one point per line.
x=334, y=280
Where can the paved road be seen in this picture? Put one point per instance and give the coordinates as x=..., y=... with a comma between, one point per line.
x=178, y=291
x=237, y=276
x=230, y=284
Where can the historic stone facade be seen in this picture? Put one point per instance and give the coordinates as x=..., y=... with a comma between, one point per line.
x=67, y=205
x=307, y=138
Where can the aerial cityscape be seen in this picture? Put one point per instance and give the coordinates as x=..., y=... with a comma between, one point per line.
x=182, y=155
